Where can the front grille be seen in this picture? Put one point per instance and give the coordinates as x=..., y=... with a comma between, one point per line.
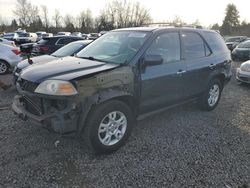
x=27, y=85
x=33, y=105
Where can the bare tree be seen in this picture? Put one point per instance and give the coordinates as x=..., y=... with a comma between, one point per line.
x=69, y=23
x=45, y=16
x=57, y=18
x=123, y=13
x=26, y=12
x=86, y=21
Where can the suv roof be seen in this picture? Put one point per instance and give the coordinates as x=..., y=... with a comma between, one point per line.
x=62, y=36
x=151, y=29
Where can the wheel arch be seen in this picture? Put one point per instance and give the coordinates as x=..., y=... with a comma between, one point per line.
x=106, y=96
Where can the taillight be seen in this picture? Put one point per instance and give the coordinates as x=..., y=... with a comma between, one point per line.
x=44, y=48
x=16, y=51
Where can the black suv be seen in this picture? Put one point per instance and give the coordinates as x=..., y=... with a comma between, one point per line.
x=124, y=75
x=48, y=45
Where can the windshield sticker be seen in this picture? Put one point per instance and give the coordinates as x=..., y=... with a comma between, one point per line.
x=137, y=35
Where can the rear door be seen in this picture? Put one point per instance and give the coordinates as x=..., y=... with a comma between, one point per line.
x=162, y=85
x=199, y=60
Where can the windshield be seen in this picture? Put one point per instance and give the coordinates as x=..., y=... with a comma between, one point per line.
x=233, y=39
x=68, y=50
x=115, y=47
x=24, y=35
x=244, y=45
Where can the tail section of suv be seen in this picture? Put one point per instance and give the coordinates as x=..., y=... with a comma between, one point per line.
x=48, y=45
x=122, y=76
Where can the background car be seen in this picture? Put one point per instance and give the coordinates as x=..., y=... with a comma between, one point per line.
x=63, y=33
x=242, y=51
x=77, y=34
x=49, y=45
x=243, y=73
x=26, y=38
x=232, y=42
x=9, y=57
x=93, y=36
x=40, y=34
x=8, y=42
x=10, y=36
x=69, y=50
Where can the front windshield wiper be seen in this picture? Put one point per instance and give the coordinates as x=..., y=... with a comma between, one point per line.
x=93, y=59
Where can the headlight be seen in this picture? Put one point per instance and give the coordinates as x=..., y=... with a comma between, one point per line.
x=245, y=67
x=56, y=87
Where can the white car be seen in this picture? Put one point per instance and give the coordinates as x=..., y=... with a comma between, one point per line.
x=243, y=73
x=26, y=38
x=9, y=57
x=10, y=36
x=8, y=42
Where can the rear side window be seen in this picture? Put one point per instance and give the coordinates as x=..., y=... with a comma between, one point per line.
x=215, y=42
x=194, y=46
x=43, y=41
x=65, y=41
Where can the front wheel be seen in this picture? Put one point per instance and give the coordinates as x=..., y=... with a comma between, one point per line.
x=108, y=126
x=4, y=67
x=210, y=99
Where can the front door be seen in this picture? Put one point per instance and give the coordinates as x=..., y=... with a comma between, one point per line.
x=162, y=85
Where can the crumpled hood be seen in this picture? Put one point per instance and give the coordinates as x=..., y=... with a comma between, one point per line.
x=67, y=68
x=39, y=59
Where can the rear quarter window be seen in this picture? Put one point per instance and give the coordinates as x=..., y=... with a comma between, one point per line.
x=216, y=42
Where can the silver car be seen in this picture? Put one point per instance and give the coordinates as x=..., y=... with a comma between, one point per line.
x=243, y=73
x=9, y=57
x=8, y=42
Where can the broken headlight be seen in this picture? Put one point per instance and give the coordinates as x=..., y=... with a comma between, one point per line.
x=56, y=87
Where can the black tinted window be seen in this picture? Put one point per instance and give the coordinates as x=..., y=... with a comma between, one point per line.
x=168, y=46
x=43, y=41
x=65, y=41
x=216, y=42
x=193, y=45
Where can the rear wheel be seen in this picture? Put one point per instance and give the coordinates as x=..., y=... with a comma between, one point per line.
x=4, y=67
x=210, y=99
x=108, y=126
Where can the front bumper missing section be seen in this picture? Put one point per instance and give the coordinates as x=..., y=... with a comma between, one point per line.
x=61, y=121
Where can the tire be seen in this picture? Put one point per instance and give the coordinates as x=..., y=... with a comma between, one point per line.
x=4, y=67
x=94, y=133
x=207, y=101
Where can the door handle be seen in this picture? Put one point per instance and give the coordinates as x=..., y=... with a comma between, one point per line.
x=180, y=72
x=211, y=66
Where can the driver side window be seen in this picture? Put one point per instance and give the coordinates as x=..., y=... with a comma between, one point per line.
x=168, y=46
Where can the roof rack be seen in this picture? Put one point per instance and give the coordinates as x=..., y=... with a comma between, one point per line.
x=169, y=24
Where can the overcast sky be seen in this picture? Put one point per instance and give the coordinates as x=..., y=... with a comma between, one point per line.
x=207, y=12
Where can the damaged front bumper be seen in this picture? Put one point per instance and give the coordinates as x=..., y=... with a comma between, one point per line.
x=60, y=115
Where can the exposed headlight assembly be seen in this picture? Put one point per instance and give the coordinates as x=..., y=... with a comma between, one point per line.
x=56, y=87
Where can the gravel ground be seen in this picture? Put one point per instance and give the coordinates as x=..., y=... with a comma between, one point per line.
x=182, y=147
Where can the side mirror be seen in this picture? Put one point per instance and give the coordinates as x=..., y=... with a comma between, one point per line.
x=151, y=60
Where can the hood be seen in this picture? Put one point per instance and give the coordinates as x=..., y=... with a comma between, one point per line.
x=67, y=68
x=246, y=63
x=230, y=43
x=242, y=50
x=39, y=59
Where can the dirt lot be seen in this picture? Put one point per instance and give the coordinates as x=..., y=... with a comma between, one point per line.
x=182, y=147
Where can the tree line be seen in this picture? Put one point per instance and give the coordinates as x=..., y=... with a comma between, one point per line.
x=231, y=24
x=116, y=14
